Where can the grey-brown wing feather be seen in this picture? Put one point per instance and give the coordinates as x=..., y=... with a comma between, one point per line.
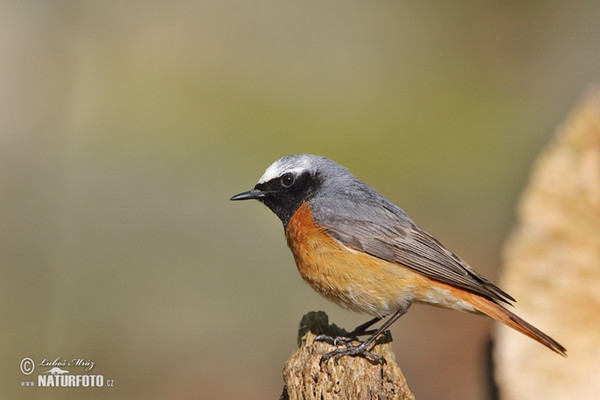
x=380, y=228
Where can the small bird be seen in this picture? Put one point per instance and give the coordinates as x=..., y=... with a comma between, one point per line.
x=361, y=251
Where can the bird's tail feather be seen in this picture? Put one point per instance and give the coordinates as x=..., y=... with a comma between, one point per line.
x=508, y=318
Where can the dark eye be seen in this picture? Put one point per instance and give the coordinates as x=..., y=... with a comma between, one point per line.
x=287, y=180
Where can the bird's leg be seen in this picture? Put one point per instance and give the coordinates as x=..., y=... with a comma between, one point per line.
x=361, y=330
x=364, y=348
x=356, y=332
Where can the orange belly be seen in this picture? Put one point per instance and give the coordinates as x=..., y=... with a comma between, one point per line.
x=356, y=280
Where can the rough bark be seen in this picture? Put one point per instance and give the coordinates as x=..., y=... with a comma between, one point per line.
x=552, y=266
x=349, y=378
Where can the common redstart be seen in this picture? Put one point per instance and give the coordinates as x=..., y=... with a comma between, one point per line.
x=361, y=251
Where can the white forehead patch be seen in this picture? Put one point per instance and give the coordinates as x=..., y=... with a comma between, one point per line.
x=284, y=165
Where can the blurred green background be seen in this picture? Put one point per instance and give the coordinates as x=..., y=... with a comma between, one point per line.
x=126, y=126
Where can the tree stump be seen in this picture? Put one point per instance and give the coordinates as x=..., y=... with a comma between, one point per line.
x=350, y=378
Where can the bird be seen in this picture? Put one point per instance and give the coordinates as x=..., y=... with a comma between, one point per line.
x=361, y=251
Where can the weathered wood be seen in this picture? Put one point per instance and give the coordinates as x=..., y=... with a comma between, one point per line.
x=349, y=378
x=552, y=266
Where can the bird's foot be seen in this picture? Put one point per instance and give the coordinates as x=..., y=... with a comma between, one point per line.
x=353, y=351
x=336, y=340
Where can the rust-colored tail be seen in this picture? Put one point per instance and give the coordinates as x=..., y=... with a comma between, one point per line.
x=501, y=314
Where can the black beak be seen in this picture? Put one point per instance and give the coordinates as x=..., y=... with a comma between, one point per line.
x=250, y=194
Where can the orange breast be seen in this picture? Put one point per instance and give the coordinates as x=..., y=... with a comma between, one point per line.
x=352, y=279
x=359, y=281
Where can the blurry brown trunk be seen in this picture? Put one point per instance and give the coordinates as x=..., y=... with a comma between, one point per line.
x=552, y=266
x=349, y=378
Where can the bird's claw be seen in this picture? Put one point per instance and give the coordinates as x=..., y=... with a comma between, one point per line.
x=353, y=351
x=335, y=340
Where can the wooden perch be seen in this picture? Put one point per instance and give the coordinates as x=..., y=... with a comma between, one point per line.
x=552, y=266
x=350, y=378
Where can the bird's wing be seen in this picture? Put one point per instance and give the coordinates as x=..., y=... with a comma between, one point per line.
x=383, y=230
